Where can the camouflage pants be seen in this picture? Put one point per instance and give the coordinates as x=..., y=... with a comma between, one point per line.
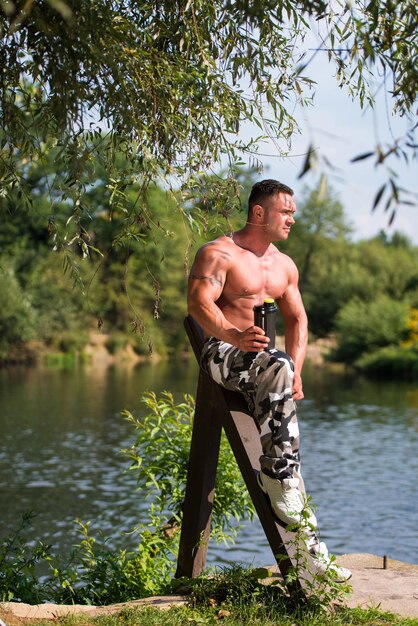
x=265, y=379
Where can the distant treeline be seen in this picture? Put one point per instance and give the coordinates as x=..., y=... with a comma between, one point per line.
x=365, y=294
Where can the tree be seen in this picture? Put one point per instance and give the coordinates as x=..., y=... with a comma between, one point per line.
x=320, y=218
x=170, y=84
x=138, y=284
x=335, y=271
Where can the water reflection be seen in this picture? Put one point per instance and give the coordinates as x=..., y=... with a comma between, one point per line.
x=62, y=432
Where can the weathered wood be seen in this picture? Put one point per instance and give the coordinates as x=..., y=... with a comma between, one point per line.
x=203, y=460
x=216, y=408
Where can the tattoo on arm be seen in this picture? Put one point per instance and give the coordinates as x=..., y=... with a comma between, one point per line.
x=214, y=280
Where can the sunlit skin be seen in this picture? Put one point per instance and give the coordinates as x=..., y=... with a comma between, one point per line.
x=231, y=275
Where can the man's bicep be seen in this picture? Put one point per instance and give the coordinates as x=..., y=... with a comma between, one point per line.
x=291, y=303
x=201, y=279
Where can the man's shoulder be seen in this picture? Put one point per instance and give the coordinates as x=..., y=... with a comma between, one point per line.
x=221, y=244
x=284, y=258
x=286, y=262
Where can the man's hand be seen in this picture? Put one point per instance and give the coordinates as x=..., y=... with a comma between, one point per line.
x=252, y=339
x=297, y=391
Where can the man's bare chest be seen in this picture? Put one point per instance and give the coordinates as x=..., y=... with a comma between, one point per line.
x=253, y=276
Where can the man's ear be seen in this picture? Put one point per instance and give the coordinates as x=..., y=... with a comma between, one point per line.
x=258, y=212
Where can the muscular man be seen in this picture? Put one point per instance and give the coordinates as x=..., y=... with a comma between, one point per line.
x=231, y=275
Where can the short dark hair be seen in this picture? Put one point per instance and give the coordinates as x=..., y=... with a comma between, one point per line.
x=266, y=189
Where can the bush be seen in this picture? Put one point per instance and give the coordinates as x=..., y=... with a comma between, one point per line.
x=18, y=562
x=17, y=316
x=363, y=327
x=391, y=362
x=160, y=459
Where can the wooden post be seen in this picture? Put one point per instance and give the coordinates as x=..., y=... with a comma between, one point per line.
x=200, y=488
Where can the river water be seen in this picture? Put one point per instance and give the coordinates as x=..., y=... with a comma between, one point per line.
x=61, y=432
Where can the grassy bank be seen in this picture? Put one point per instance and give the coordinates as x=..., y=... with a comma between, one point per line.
x=234, y=596
x=227, y=615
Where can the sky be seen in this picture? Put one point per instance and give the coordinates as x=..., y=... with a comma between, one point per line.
x=340, y=130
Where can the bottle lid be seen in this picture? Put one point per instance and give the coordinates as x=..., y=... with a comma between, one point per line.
x=268, y=300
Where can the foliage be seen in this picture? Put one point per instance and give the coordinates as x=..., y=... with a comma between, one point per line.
x=160, y=459
x=366, y=326
x=137, y=284
x=18, y=578
x=412, y=328
x=95, y=574
x=334, y=270
x=393, y=362
x=157, y=82
x=17, y=316
x=393, y=267
x=320, y=213
x=58, y=307
x=169, y=85
x=38, y=307
x=370, y=45
x=136, y=292
x=92, y=574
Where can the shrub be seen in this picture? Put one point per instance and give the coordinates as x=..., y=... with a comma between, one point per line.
x=18, y=562
x=391, y=362
x=17, y=316
x=363, y=327
x=412, y=328
x=160, y=459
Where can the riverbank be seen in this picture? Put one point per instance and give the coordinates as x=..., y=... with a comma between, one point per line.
x=97, y=352
x=100, y=350
x=386, y=584
x=103, y=350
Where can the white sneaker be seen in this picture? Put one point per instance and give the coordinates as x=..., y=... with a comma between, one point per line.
x=287, y=501
x=323, y=562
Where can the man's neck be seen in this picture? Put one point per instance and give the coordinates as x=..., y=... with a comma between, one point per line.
x=252, y=238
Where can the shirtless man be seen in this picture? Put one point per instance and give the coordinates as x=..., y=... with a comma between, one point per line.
x=229, y=277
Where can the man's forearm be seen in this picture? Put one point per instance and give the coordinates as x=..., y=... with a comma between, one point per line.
x=213, y=321
x=296, y=342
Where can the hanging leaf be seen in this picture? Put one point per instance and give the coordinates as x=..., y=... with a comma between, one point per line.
x=361, y=157
x=378, y=196
x=392, y=217
x=309, y=162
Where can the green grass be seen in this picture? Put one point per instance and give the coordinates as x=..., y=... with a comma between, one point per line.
x=229, y=616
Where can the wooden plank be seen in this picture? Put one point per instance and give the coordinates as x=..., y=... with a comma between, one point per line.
x=200, y=488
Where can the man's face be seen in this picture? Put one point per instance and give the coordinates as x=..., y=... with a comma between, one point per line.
x=279, y=216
